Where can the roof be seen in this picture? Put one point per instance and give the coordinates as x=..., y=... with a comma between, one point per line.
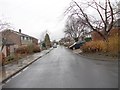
x=18, y=33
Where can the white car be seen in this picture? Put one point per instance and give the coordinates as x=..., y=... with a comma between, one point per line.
x=54, y=45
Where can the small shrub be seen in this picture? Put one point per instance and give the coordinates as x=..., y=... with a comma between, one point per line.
x=28, y=49
x=22, y=50
x=36, y=49
x=10, y=57
x=18, y=56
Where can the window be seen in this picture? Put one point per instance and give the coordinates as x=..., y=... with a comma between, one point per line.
x=27, y=38
x=22, y=38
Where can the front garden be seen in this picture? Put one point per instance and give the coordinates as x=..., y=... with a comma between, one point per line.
x=20, y=53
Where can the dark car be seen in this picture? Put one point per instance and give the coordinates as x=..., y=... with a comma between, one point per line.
x=76, y=45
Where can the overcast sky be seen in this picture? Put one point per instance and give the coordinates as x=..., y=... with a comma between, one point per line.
x=34, y=17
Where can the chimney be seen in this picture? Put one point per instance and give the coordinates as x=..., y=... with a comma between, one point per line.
x=19, y=30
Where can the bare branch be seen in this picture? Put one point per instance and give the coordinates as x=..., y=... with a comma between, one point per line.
x=105, y=21
x=112, y=18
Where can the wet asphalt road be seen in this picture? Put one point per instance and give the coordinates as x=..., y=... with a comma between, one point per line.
x=61, y=68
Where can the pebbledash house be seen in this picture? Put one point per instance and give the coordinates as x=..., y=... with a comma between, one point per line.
x=10, y=40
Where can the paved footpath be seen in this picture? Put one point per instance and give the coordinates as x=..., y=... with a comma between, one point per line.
x=9, y=70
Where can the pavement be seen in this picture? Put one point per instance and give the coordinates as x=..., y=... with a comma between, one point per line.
x=11, y=69
x=61, y=68
x=96, y=56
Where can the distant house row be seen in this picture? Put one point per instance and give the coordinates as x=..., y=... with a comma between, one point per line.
x=11, y=40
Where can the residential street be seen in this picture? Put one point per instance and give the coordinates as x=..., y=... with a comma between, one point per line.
x=61, y=68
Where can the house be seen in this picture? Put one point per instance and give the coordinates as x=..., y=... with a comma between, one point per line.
x=67, y=41
x=12, y=39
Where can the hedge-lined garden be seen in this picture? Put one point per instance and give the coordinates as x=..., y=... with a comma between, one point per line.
x=22, y=52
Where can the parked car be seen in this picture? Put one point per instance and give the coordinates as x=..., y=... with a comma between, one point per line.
x=77, y=45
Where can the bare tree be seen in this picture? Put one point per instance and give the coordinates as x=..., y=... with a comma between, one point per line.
x=105, y=12
x=118, y=15
x=74, y=27
x=4, y=26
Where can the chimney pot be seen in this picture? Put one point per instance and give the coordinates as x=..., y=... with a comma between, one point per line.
x=19, y=30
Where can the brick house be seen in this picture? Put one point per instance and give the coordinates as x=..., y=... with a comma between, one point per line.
x=13, y=39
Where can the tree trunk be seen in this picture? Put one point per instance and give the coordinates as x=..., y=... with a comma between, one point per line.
x=76, y=39
x=107, y=43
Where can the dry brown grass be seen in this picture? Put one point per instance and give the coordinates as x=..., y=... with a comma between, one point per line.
x=101, y=46
x=94, y=46
x=114, y=44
